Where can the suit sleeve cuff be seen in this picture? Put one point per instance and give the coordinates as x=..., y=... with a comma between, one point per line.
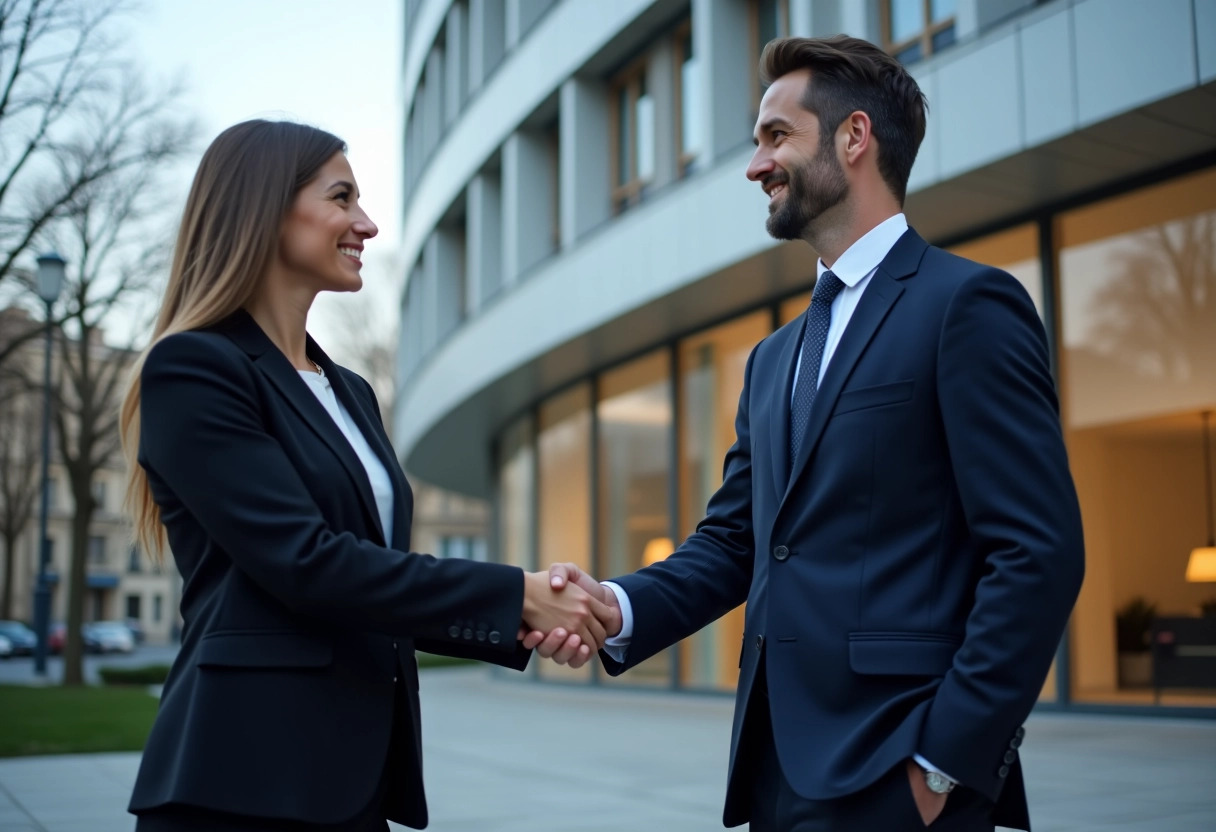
x=616, y=646
x=923, y=763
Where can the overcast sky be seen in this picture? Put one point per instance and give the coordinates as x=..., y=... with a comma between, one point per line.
x=333, y=65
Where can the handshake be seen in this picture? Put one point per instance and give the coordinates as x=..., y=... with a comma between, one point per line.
x=568, y=615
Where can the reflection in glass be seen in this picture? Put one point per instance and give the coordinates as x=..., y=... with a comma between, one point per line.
x=564, y=466
x=907, y=19
x=711, y=380
x=634, y=456
x=941, y=9
x=515, y=496
x=645, y=131
x=690, y=101
x=624, y=121
x=1138, y=365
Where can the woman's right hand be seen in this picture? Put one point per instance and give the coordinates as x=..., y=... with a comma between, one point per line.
x=571, y=610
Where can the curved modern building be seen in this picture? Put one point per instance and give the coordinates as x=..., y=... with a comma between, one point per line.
x=589, y=269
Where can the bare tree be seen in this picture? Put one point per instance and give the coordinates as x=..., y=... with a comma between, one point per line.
x=19, y=482
x=117, y=254
x=1157, y=315
x=71, y=116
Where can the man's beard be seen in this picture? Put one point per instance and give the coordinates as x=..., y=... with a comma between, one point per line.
x=810, y=190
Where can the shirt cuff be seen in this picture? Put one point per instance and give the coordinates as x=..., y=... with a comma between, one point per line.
x=616, y=646
x=923, y=763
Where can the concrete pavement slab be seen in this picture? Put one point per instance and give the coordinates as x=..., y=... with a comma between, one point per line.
x=507, y=755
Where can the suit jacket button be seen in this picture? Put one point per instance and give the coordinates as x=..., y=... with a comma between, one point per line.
x=481, y=635
x=781, y=553
x=1010, y=756
x=468, y=634
x=454, y=631
x=495, y=637
x=1021, y=732
x=1003, y=772
x=759, y=642
x=394, y=645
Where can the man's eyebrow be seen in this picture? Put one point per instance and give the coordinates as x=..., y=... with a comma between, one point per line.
x=767, y=127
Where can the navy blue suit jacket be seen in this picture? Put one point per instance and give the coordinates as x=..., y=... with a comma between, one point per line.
x=301, y=620
x=909, y=575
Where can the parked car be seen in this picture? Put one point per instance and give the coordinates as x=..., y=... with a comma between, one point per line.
x=21, y=636
x=137, y=629
x=108, y=637
x=55, y=635
x=6, y=647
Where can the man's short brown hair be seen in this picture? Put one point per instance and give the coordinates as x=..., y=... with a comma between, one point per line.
x=849, y=74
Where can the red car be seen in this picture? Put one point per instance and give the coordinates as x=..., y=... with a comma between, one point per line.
x=55, y=637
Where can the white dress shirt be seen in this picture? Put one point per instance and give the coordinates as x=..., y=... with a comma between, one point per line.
x=854, y=268
x=377, y=474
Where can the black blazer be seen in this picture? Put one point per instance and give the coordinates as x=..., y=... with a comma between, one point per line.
x=909, y=575
x=298, y=614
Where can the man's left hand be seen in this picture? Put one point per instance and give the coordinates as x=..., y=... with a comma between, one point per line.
x=928, y=803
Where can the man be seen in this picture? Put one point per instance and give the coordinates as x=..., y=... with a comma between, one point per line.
x=897, y=508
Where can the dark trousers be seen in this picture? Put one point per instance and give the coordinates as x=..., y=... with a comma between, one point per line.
x=884, y=806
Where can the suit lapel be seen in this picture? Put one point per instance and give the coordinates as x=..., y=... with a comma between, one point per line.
x=779, y=419
x=244, y=330
x=880, y=295
x=367, y=420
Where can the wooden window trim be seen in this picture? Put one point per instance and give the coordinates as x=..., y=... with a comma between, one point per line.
x=924, y=37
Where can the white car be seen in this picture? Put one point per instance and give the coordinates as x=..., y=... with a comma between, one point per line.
x=109, y=637
x=6, y=647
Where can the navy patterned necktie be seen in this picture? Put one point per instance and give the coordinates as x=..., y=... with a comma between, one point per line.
x=814, y=338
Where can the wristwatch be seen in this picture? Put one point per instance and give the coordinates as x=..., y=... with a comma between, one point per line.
x=938, y=783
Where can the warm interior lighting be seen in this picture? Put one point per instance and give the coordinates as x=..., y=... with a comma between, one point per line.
x=660, y=547
x=1202, y=565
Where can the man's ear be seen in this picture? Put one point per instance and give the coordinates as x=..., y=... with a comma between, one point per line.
x=855, y=136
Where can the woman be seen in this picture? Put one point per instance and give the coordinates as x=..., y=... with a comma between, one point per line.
x=293, y=703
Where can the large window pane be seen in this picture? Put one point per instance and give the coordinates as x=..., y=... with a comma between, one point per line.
x=690, y=100
x=711, y=380
x=907, y=19
x=624, y=133
x=563, y=448
x=634, y=474
x=515, y=461
x=645, y=138
x=791, y=308
x=1138, y=366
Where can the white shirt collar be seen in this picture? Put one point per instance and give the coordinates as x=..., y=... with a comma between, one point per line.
x=863, y=256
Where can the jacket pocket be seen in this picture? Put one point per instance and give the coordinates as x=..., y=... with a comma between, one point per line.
x=866, y=397
x=264, y=649
x=902, y=654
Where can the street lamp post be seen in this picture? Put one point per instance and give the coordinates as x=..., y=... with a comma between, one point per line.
x=51, y=269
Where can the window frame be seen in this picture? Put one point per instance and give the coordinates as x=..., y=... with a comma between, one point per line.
x=924, y=37
x=626, y=194
x=684, y=161
x=754, y=47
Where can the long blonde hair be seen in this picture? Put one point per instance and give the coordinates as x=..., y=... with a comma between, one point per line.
x=244, y=187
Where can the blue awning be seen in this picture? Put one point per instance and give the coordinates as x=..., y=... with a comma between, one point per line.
x=102, y=580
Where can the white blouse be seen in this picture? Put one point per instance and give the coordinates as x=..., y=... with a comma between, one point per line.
x=377, y=474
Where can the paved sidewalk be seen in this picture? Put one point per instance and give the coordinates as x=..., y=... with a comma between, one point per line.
x=509, y=756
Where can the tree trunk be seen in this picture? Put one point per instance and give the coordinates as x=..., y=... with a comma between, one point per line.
x=10, y=554
x=73, y=643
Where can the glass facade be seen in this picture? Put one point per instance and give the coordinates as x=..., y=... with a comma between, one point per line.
x=563, y=445
x=627, y=461
x=711, y=380
x=634, y=457
x=1138, y=366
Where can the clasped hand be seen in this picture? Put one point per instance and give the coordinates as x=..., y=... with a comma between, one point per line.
x=568, y=615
